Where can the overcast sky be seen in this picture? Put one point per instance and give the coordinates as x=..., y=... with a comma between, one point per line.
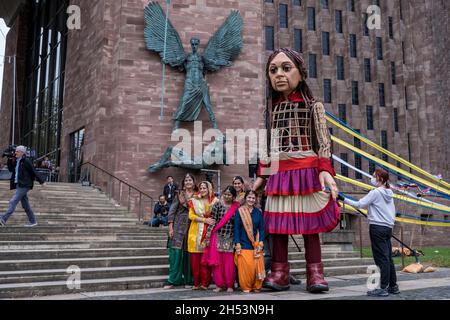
x=3, y=31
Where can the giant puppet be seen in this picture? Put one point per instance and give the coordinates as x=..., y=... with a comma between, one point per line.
x=297, y=170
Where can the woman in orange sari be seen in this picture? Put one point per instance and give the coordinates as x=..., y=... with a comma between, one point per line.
x=249, y=244
x=200, y=215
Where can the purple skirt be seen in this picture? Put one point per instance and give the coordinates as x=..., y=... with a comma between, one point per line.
x=296, y=204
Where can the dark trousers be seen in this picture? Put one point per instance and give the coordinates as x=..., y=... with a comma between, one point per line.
x=380, y=238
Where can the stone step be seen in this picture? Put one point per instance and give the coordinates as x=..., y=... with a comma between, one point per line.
x=90, y=262
x=45, y=288
x=80, y=236
x=18, y=254
x=73, y=244
x=33, y=276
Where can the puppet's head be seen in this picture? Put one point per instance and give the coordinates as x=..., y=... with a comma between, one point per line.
x=286, y=72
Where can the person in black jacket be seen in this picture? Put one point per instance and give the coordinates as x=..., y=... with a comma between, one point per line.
x=169, y=190
x=161, y=212
x=22, y=180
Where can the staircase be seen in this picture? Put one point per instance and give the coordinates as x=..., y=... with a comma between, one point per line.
x=79, y=226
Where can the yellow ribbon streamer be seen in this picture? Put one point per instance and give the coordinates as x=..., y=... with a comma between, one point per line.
x=390, y=166
x=400, y=197
x=404, y=220
x=387, y=152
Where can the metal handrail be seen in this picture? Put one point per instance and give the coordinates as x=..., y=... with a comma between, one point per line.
x=110, y=187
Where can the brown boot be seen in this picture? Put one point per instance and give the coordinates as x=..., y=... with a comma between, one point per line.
x=314, y=278
x=278, y=279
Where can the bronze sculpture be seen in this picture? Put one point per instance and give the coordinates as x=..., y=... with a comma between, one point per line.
x=222, y=48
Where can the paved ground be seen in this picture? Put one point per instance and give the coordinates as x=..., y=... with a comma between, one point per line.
x=424, y=286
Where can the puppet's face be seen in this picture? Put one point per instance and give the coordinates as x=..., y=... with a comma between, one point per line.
x=283, y=74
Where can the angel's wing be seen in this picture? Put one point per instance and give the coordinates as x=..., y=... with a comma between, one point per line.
x=155, y=21
x=225, y=44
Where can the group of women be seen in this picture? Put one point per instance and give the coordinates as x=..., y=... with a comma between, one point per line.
x=211, y=237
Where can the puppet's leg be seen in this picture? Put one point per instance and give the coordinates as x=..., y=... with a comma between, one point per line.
x=279, y=272
x=314, y=266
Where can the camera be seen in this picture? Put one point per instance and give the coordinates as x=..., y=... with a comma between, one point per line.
x=9, y=152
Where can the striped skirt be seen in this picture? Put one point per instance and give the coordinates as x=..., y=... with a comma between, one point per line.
x=296, y=204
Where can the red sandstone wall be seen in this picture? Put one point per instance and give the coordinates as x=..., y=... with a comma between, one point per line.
x=113, y=85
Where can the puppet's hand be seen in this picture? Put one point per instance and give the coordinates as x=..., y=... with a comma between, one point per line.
x=327, y=180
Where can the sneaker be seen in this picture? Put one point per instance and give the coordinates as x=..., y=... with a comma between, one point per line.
x=378, y=293
x=168, y=287
x=31, y=225
x=394, y=290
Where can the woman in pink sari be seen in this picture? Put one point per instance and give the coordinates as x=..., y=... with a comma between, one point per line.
x=218, y=252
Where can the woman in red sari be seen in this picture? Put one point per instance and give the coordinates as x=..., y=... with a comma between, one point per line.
x=219, y=248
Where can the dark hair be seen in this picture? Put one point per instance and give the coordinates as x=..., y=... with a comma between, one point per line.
x=188, y=175
x=232, y=191
x=238, y=178
x=169, y=177
x=248, y=192
x=382, y=176
x=161, y=195
x=302, y=87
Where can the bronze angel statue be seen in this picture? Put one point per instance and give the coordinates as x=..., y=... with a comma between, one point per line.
x=222, y=48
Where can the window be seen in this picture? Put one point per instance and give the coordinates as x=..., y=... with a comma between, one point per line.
x=406, y=99
x=369, y=114
x=358, y=175
x=44, y=74
x=353, y=45
x=283, y=15
x=338, y=17
x=371, y=167
x=355, y=95
x=357, y=144
x=342, y=113
x=391, y=28
x=409, y=146
x=327, y=90
x=384, y=144
x=365, y=28
x=381, y=94
x=393, y=75
x=395, y=119
x=403, y=52
x=351, y=5
x=340, y=67
x=376, y=2
x=400, y=9
x=270, y=41
x=312, y=66
x=324, y=4
x=298, y=45
x=367, y=75
x=379, y=48
x=325, y=43
x=76, y=155
x=356, y=141
x=344, y=168
x=297, y=2
x=311, y=18
x=269, y=1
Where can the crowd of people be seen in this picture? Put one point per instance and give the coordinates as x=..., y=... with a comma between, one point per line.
x=213, y=239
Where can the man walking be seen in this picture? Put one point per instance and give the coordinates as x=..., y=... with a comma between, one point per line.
x=22, y=180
